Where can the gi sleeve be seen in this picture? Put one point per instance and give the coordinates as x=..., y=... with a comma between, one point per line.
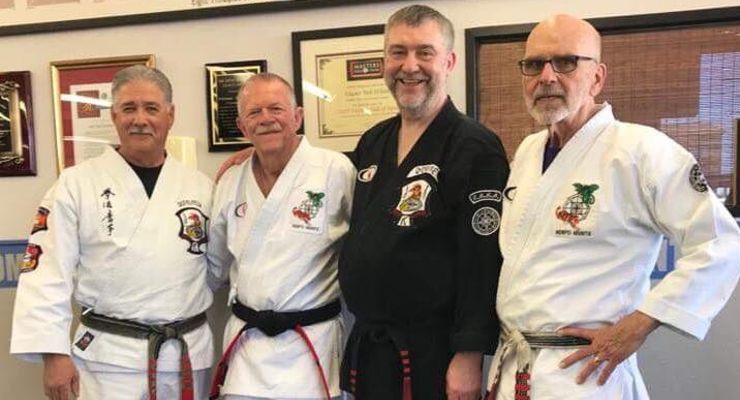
x=218, y=255
x=479, y=261
x=42, y=315
x=707, y=238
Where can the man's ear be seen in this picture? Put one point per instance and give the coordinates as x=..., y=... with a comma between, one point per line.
x=599, y=80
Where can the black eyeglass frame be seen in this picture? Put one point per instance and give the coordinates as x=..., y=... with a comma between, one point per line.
x=570, y=59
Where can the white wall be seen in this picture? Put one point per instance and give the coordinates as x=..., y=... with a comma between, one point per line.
x=675, y=367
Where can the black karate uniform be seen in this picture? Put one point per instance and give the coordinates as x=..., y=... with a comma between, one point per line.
x=419, y=266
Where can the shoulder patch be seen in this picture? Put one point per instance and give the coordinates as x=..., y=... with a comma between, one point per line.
x=486, y=221
x=485, y=195
x=697, y=180
x=39, y=223
x=31, y=258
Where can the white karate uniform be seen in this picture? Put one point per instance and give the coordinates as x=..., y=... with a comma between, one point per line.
x=284, y=263
x=123, y=255
x=584, y=260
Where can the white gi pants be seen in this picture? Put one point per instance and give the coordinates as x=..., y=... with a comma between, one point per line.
x=110, y=382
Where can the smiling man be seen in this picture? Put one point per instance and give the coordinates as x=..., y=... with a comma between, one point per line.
x=125, y=234
x=588, y=204
x=419, y=266
x=278, y=222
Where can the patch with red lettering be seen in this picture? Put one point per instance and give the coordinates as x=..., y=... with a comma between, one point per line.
x=575, y=210
x=31, y=258
x=308, y=212
x=39, y=223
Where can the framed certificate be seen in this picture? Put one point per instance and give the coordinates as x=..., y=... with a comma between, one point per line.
x=338, y=78
x=81, y=92
x=17, y=151
x=223, y=81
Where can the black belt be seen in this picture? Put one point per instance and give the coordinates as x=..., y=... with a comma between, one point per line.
x=273, y=323
x=399, y=340
x=156, y=335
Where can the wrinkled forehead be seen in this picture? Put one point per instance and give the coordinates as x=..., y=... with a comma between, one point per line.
x=547, y=40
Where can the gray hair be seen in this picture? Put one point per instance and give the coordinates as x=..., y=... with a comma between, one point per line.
x=140, y=72
x=263, y=77
x=416, y=15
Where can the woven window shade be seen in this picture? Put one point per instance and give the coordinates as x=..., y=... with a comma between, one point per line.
x=684, y=82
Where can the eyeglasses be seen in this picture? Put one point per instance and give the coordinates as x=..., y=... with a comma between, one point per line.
x=560, y=64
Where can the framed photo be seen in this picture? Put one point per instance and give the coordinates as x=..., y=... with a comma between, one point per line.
x=338, y=78
x=81, y=91
x=17, y=150
x=223, y=81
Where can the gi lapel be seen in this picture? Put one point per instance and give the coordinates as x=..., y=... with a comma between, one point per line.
x=536, y=191
x=125, y=209
x=268, y=214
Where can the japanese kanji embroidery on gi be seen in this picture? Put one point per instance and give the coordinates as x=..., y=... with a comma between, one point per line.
x=107, y=218
x=193, y=228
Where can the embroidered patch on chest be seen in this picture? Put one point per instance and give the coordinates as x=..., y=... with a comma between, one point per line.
x=430, y=169
x=366, y=175
x=486, y=221
x=39, y=223
x=306, y=213
x=697, y=179
x=575, y=210
x=193, y=228
x=31, y=258
x=413, y=202
x=85, y=341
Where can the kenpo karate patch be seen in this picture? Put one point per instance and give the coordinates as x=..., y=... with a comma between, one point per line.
x=193, y=228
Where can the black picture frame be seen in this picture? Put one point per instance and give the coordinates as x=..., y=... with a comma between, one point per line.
x=350, y=42
x=223, y=81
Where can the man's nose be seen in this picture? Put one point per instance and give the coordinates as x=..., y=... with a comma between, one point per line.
x=548, y=74
x=410, y=63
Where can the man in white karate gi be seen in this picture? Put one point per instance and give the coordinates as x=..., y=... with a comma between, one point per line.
x=125, y=233
x=587, y=205
x=278, y=221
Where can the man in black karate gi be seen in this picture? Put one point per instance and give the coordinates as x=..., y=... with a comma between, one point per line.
x=420, y=264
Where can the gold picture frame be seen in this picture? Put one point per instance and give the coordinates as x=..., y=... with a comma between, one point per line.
x=80, y=93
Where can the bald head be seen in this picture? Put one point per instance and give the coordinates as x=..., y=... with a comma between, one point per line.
x=562, y=35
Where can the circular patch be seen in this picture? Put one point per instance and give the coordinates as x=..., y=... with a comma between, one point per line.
x=697, y=180
x=486, y=221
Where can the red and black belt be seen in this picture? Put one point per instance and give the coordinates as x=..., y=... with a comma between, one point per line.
x=156, y=336
x=273, y=323
x=396, y=337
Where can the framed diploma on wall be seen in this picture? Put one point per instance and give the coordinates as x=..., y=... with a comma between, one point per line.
x=223, y=81
x=338, y=79
x=81, y=91
x=17, y=151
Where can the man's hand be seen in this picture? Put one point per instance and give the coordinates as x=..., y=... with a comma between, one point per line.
x=610, y=345
x=61, y=379
x=235, y=159
x=464, y=376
